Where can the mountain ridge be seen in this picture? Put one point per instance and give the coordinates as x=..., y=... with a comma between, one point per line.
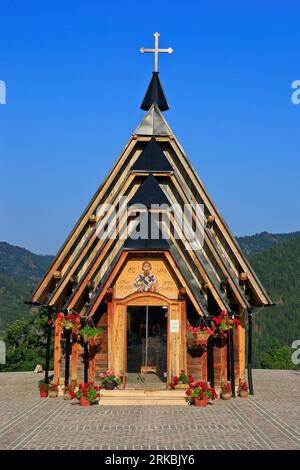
x=274, y=257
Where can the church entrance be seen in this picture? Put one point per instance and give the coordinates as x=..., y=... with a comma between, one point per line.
x=146, y=334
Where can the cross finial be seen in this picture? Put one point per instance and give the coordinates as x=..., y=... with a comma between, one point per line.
x=156, y=50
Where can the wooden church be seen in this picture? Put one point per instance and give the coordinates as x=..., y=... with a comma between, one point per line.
x=147, y=292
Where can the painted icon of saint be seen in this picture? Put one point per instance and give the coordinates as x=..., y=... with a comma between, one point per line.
x=146, y=281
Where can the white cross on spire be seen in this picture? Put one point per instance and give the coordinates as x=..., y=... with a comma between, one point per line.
x=156, y=50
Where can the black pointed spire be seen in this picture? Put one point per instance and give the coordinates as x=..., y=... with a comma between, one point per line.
x=155, y=95
x=152, y=159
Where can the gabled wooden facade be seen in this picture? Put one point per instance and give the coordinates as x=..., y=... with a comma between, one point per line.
x=103, y=280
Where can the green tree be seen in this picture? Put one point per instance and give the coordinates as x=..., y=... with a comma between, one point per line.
x=277, y=356
x=25, y=342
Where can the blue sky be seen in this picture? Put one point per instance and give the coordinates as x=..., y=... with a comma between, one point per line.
x=75, y=80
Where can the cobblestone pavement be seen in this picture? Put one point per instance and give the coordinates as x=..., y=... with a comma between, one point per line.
x=269, y=420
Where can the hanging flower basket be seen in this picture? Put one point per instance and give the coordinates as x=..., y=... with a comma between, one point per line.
x=90, y=333
x=200, y=335
x=225, y=322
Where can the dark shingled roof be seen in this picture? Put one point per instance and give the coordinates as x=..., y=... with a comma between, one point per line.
x=149, y=193
x=152, y=159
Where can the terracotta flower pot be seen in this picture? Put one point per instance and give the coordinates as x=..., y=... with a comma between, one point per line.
x=243, y=394
x=226, y=395
x=201, y=403
x=84, y=401
x=43, y=394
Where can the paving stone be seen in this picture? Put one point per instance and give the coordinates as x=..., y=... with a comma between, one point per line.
x=269, y=420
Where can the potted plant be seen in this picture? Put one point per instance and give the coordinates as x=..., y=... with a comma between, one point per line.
x=109, y=380
x=201, y=334
x=183, y=381
x=226, y=391
x=200, y=393
x=44, y=387
x=53, y=391
x=69, y=393
x=90, y=333
x=243, y=389
x=87, y=394
x=71, y=321
x=225, y=322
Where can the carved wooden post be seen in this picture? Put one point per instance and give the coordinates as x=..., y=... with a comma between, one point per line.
x=67, y=357
x=57, y=349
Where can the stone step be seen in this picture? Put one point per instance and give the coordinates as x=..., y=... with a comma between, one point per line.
x=142, y=397
x=143, y=402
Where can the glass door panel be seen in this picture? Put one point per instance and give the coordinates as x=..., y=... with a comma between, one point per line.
x=146, y=346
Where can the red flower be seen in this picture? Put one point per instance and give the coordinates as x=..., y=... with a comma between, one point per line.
x=188, y=393
x=57, y=334
x=191, y=379
x=217, y=320
x=59, y=316
x=49, y=322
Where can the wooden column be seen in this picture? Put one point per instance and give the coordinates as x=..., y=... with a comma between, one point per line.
x=67, y=356
x=74, y=359
x=175, y=359
x=220, y=360
x=242, y=344
x=92, y=361
x=117, y=352
x=183, y=352
x=110, y=309
x=57, y=350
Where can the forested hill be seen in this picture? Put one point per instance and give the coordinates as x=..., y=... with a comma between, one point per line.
x=279, y=270
x=20, y=271
x=262, y=241
x=20, y=263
